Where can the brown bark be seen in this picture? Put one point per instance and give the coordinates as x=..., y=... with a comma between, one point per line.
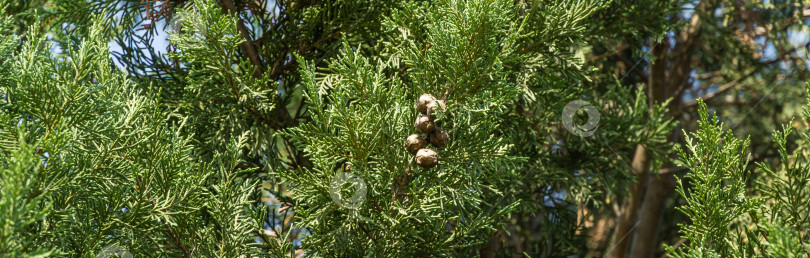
x=627, y=219
x=664, y=84
x=596, y=226
x=658, y=190
x=247, y=46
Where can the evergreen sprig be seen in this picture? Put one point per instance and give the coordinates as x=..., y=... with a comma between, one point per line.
x=97, y=165
x=716, y=195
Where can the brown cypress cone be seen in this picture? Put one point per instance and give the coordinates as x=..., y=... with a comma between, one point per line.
x=427, y=158
x=414, y=143
x=423, y=101
x=435, y=106
x=439, y=138
x=424, y=124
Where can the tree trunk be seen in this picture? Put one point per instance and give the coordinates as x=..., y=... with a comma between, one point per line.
x=646, y=237
x=668, y=78
x=627, y=219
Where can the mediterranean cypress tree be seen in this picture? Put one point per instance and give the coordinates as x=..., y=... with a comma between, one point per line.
x=370, y=128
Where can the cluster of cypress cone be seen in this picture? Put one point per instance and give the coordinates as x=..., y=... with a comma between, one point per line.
x=415, y=143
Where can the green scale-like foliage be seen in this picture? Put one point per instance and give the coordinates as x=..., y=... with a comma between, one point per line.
x=769, y=219
x=221, y=97
x=717, y=195
x=167, y=159
x=90, y=161
x=361, y=117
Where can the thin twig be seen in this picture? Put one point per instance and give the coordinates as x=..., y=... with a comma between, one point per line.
x=246, y=46
x=447, y=92
x=403, y=180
